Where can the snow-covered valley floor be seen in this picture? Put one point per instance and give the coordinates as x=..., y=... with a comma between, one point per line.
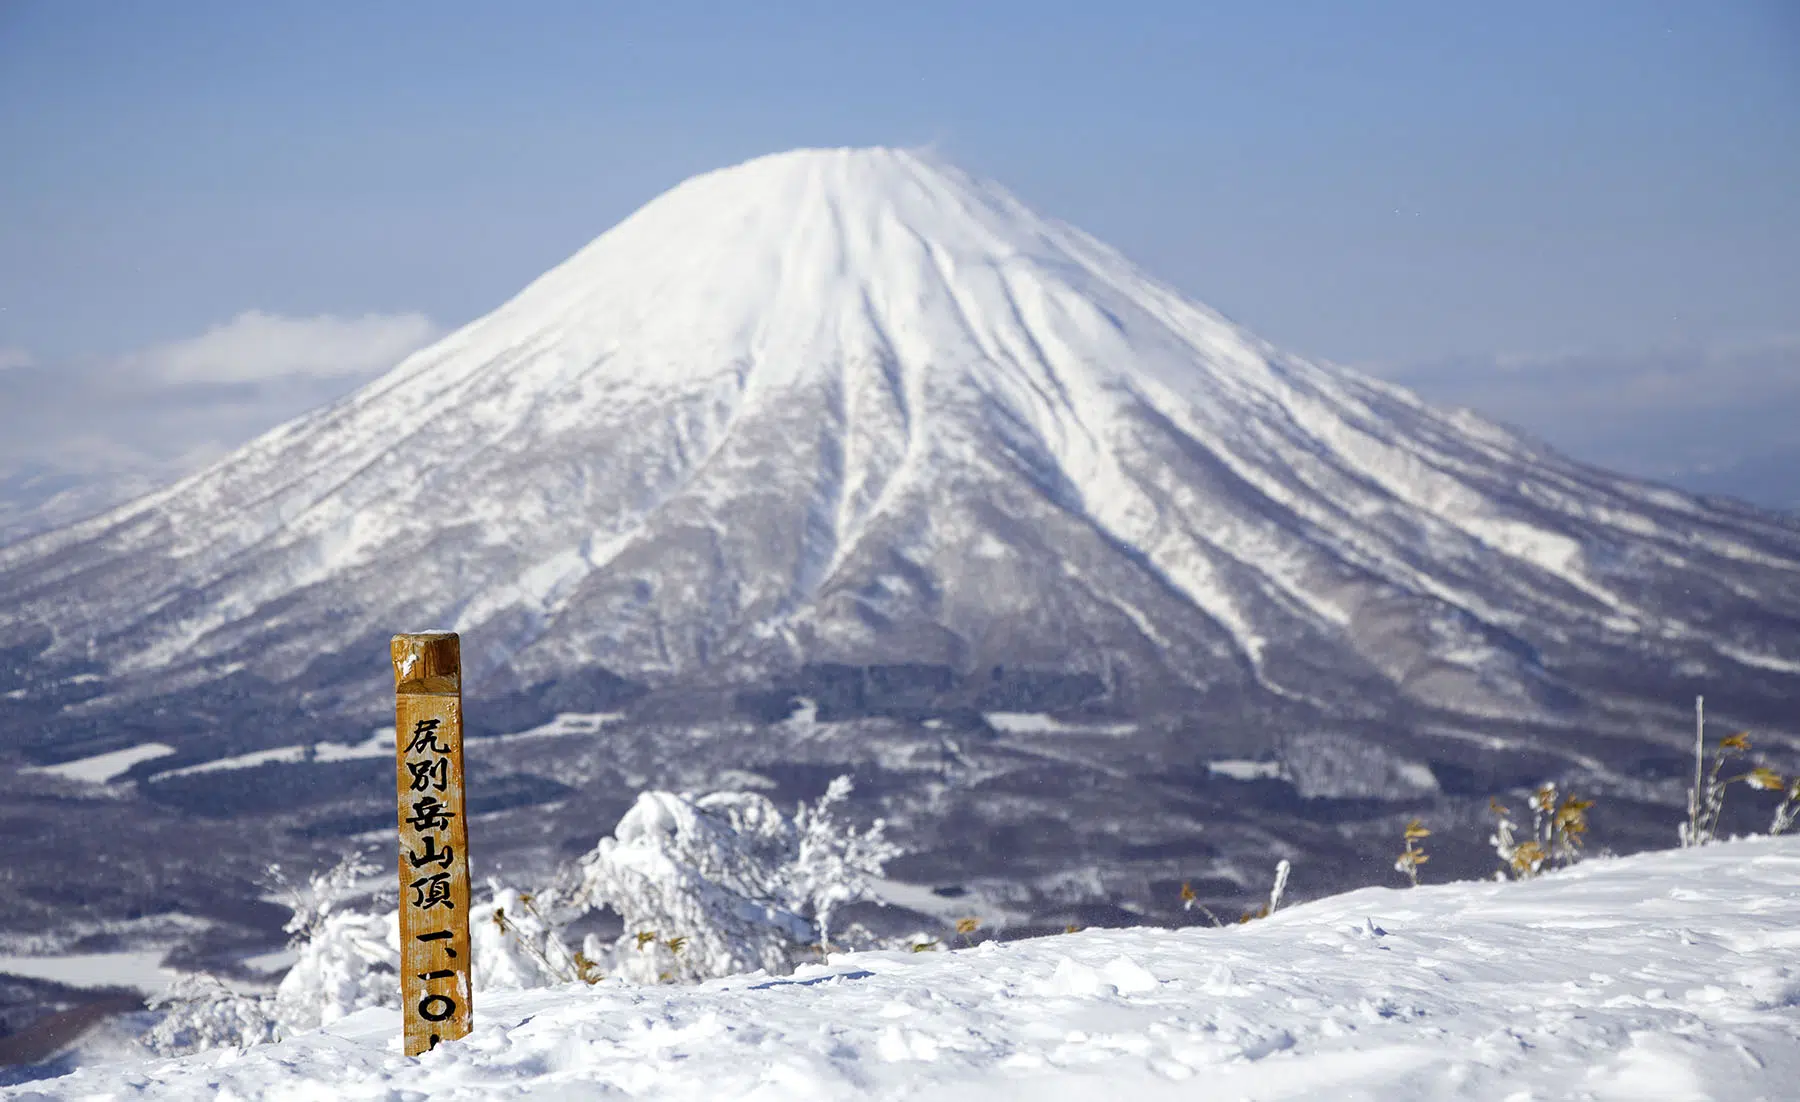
x=1671, y=975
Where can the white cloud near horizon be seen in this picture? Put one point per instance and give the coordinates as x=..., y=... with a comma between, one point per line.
x=79, y=437
x=256, y=346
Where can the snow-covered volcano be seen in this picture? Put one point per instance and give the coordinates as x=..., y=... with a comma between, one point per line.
x=854, y=406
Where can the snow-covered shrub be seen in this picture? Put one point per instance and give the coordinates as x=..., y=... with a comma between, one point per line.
x=350, y=963
x=200, y=1012
x=725, y=883
x=1282, y=868
x=1276, y=890
x=835, y=863
x=1522, y=860
x=708, y=886
x=347, y=961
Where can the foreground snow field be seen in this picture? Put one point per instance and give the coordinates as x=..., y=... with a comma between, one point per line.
x=1671, y=975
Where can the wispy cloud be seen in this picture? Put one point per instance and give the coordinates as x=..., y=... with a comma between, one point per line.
x=77, y=438
x=255, y=346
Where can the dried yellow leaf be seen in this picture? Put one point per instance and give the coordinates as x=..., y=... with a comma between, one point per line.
x=1765, y=778
x=1528, y=857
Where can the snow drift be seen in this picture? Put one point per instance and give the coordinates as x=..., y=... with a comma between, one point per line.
x=1673, y=975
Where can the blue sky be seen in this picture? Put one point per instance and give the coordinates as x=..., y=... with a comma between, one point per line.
x=1438, y=192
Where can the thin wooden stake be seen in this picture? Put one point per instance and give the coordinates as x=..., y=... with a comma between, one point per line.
x=1695, y=797
x=434, y=840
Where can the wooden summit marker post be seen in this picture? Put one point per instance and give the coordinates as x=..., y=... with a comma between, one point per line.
x=434, y=840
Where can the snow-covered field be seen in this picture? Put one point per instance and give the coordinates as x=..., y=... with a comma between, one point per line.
x=141, y=969
x=1672, y=975
x=102, y=768
x=380, y=744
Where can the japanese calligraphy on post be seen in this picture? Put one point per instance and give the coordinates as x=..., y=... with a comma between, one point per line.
x=434, y=859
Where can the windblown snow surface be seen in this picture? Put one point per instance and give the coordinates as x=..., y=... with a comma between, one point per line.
x=1672, y=975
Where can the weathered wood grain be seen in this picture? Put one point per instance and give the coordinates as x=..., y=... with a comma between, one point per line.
x=435, y=988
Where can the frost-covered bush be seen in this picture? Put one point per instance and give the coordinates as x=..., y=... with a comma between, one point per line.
x=200, y=1012
x=347, y=961
x=726, y=883
x=1413, y=854
x=350, y=963
x=835, y=864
